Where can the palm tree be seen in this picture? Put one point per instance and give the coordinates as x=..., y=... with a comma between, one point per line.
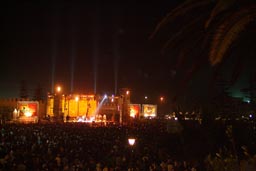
x=207, y=28
x=227, y=18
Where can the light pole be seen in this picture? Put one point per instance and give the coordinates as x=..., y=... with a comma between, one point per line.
x=58, y=89
x=77, y=100
x=57, y=103
x=121, y=102
x=67, y=117
x=162, y=99
x=131, y=141
x=146, y=98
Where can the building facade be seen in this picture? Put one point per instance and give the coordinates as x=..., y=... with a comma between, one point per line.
x=89, y=108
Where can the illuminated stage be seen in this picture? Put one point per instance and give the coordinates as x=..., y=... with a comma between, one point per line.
x=25, y=119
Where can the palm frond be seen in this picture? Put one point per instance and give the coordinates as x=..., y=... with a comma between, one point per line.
x=221, y=6
x=179, y=11
x=185, y=30
x=227, y=33
x=217, y=53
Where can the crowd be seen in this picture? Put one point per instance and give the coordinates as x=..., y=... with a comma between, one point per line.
x=79, y=146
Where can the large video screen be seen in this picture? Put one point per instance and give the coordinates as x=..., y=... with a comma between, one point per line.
x=135, y=110
x=149, y=110
x=28, y=108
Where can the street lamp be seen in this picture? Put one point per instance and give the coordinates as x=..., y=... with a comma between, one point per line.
x=161, y=105
x=57, y=108
x=58, y=89
x=145, y=99
x=161, y=98
x=127, y=92
x=131, y=142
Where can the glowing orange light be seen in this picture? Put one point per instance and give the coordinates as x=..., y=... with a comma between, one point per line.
x=162, y=99
x=58, y=89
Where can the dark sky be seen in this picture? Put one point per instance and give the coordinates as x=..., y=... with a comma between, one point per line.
x=95, y=37
x=43, y=41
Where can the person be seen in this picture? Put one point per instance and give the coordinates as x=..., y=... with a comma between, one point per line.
x=67, y=118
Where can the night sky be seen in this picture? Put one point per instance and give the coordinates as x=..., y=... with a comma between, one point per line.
x=43, y=41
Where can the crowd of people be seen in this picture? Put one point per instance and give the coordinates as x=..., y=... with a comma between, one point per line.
x=80, y=146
